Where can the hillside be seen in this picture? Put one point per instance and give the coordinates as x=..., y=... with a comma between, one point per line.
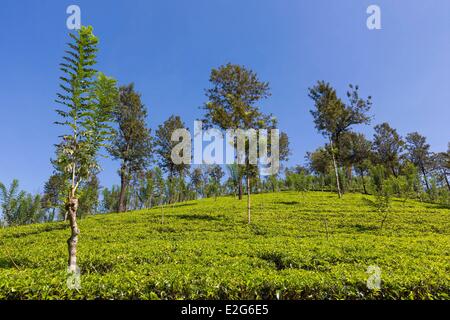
x=300, y=246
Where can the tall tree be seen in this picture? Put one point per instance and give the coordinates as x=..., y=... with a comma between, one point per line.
x=163, y=147
x=88, y=100
x=232, y=103
x=332, y=117
x=132, y=143
x=419, y=153
x=388, y=146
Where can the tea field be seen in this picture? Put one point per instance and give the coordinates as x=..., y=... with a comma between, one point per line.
x=299, y=246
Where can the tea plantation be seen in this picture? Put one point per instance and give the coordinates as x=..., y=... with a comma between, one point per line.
x=299, y=246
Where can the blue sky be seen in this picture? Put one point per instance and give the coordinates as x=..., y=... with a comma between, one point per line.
x=167, y=48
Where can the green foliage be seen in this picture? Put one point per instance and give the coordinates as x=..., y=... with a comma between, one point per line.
x=110, y=199
x=388, y=146
x=19, y=207
x=164, y=146
x=332, y=117
x=88, y=98
x=205, y=250
x=89, y=197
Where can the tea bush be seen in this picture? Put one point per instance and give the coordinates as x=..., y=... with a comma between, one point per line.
x=300, y=246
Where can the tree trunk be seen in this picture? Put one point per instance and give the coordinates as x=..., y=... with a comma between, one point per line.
x=425, y=178
x=72, y=207
x=363, y=183
x=240, y=188
x=123, y=190
x=336, y=171
x=393, y=171
x=248, y=199
x=446, y=180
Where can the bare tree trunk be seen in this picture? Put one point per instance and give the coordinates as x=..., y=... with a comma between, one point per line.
x=425, y=178
x=72, y=207
x=363, y=183
x=248, y=199
x=394, y=172
x=336, y=170
x=240, y=188
x=446, y=180
x=123, y=190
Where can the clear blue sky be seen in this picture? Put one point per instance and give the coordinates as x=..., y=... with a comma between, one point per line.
x=167, y=48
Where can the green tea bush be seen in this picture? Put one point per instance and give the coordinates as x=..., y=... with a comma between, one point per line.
x=206, y=250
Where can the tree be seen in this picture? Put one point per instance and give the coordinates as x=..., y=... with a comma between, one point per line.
x=19, y=207
x=332, y=117
x=232, y=103
x=163, y=147
x=145, y=192
x=132, y=139
x=159, y=186
x=215, y=174
x=53, y=193
x=440, y=163
x=235, y=172
x=355, y=151
x=88, y=98
x=387, y=146
x=88, y=199
x=197, y=180
x=10, y=199
x=319, y=161
x=110, y=199
x=419, y=153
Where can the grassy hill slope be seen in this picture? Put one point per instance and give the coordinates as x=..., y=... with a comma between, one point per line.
x=304, y=246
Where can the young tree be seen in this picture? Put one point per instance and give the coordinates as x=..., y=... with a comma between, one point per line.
x=419, y=153
x=387, y=146
x=332, y=117
x=132, y=140
x=88, y=103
